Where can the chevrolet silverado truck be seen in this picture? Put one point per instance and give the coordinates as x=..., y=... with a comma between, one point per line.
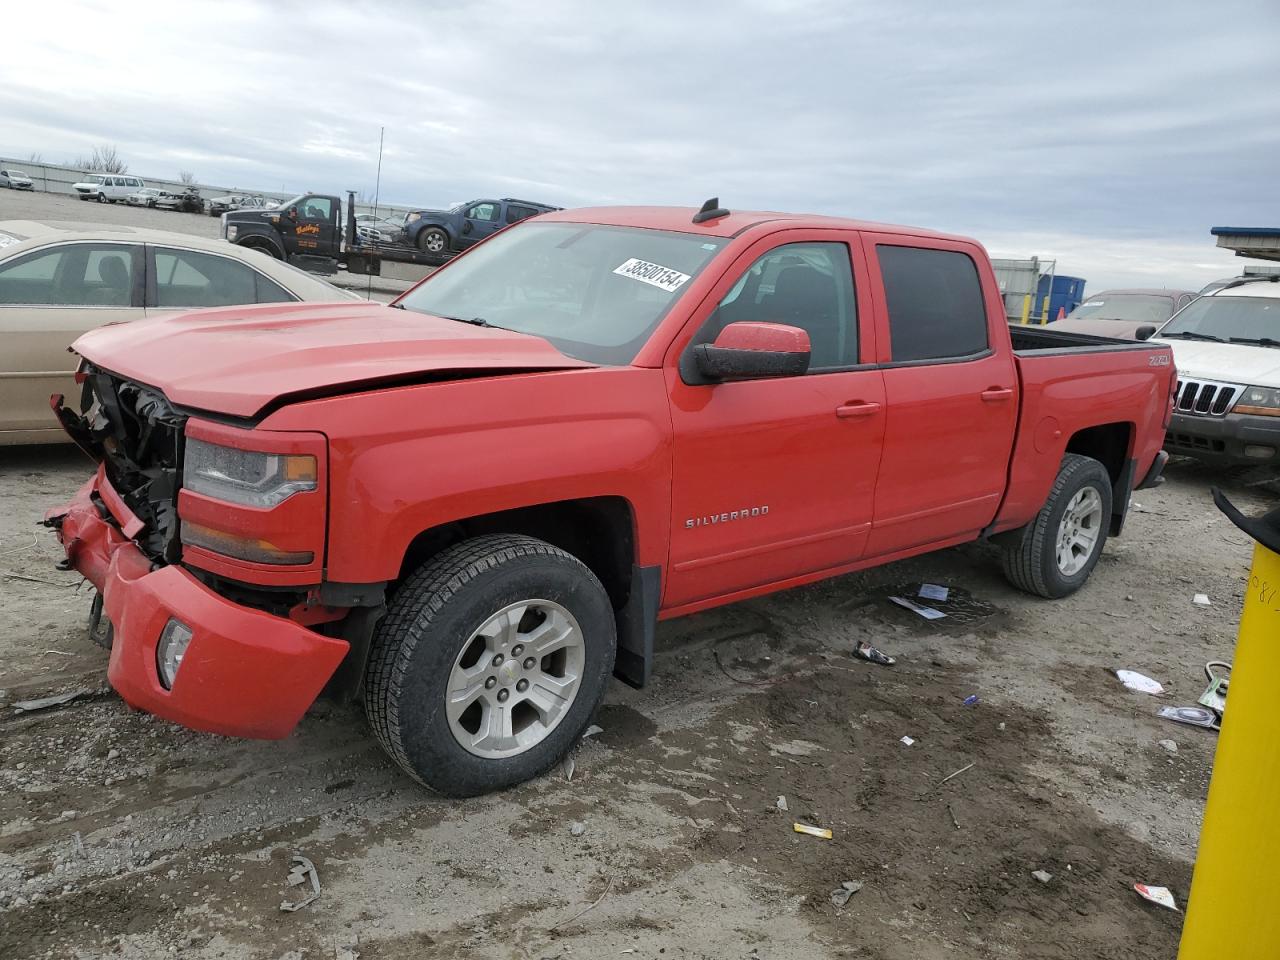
x=470, y=507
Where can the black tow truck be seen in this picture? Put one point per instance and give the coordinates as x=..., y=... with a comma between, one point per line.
x=305, y=232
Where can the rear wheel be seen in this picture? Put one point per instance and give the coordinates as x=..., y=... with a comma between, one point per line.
x=489, y=664
x=1054, y=554
x=102, y=198
x=433, y=240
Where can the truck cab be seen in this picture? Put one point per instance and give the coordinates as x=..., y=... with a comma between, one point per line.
x=306, y=226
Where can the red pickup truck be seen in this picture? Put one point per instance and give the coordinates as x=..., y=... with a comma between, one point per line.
x=470, y=507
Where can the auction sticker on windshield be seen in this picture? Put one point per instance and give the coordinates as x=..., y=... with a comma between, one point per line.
x=653, y=273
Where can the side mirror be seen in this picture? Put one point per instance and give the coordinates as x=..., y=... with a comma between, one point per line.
x=466, y=226
x=753, y=351
x=1145, y=332
x=292, y=213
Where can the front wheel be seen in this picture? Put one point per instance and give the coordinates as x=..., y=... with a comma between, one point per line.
x=489, y=664
x=433, y=240
x=1054, y=554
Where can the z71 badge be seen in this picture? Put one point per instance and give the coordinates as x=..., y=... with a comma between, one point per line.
x=1158, y=360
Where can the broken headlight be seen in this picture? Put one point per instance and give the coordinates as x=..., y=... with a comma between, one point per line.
x=246, y=477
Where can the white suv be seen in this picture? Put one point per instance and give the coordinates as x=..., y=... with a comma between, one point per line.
x=107, y=188
x=1226, y=346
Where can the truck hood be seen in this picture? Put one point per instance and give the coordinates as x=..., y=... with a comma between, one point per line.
x=240, y=361
x=1226, y=362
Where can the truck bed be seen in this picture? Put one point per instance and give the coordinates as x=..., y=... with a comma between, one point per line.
x=1029, y=339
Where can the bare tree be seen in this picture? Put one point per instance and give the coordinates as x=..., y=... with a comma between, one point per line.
x=105, y=159
x=187, y=177
x=35, y=157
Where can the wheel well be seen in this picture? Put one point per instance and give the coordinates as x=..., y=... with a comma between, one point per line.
x=1108, y=443
x=599, y=531
x=254, y=242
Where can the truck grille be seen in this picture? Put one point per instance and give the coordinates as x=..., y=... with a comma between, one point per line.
x=1206, y=398
x=141, y=438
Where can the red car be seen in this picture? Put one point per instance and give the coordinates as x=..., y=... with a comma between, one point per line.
x=470, y=507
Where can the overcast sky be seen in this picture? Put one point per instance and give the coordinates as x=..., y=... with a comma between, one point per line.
x=1110, y=135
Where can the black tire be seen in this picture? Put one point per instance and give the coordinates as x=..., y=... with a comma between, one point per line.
x=1030, y=554
x=424, y=243
x=433, y=616
x=102, y=198
x=262, y=246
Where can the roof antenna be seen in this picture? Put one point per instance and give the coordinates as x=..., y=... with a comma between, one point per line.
x=711, y=210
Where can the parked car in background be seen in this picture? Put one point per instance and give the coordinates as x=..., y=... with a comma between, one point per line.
x=188, y=201
x=1226, y=346
x=1122, y=314
x=444, y=232
x=107, y=188
x=16, y=180
x=145, y=197
x=221, y=205
x=374, y=229
x=59, y=280
x=1250, y=273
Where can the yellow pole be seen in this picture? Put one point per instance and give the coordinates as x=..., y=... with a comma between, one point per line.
x=1026, y=308
x=1044, y=312
x=1233, y=909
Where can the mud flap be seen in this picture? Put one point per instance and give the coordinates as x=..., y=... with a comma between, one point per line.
x=637, y=624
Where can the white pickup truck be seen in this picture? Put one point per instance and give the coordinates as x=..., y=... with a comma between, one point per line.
x=1226, y=346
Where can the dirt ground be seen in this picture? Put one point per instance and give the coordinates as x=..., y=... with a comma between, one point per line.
x=125, y=836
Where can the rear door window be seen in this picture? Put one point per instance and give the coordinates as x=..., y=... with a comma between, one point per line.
x=935, y=303
x=186, y=278
x=516, y=213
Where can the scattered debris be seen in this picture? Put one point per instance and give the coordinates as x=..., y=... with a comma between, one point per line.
x=49, y=583
x=865, y=651
x=591, y=731
x=577, y=828
x=1215, y=695
x=841, y=894
x=931, y=591
x=929, y=613
x=302, y=871
x=954, y=822
x=821, y=832
x=349, y=950
x=781, y=804
x=567, y=767
x=1043, y=876
x=958, y=772
x=1161, y=895
x=44, y=703
x=112, y=754
x=1192, y=717
x=1139, y=682
x=970, y=700
x=906, y=741
x=1169, y=745
x=588, y=909
x=1000, y=726
x=61, y=653
x=1202, y=600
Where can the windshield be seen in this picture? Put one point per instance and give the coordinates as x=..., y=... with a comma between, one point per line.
x=1133, y=307
x=1228, y=318
x=594, y=292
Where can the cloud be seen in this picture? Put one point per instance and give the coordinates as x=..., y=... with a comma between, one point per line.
x=1096, y=126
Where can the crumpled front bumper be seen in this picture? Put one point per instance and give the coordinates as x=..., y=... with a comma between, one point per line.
x=246, y=673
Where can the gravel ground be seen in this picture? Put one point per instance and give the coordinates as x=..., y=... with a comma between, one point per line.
x=124, y=836
x=14, y=205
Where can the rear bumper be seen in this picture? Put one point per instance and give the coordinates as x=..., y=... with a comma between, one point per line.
x=1225, y=440
x=246, y=673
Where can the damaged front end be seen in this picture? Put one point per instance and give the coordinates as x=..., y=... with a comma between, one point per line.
x=182, y=645
x=137, y=436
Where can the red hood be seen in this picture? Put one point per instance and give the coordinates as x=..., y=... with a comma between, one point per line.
x=237, y=360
